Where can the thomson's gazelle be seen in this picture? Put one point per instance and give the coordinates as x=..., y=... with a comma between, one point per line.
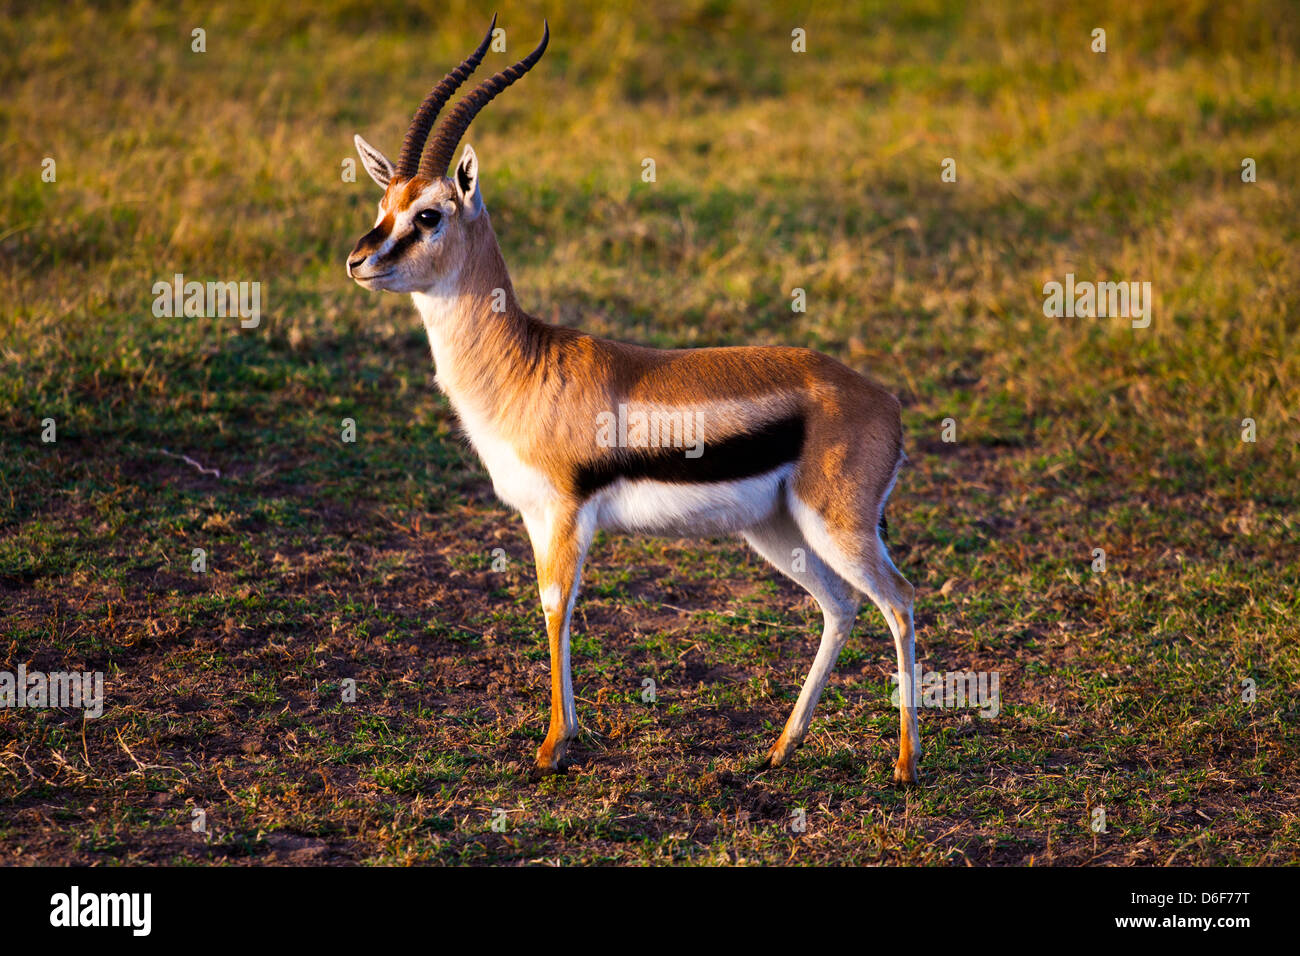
x=791, y=449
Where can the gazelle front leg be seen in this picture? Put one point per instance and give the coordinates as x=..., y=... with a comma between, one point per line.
x=560, y=541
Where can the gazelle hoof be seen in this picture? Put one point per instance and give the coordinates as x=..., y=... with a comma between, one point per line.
x=551, y=760
x=905, y=774
x=541, y=771
x=779, y=755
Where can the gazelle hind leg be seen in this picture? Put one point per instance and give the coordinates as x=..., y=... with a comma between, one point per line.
x=780, y=541
x=859, y=556
x=895, y=597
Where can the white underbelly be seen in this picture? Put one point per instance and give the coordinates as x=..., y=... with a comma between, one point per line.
x=657, y=507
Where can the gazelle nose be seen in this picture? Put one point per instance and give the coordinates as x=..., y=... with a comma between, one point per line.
x=354, y=263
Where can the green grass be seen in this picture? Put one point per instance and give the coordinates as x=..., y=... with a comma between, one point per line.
x=775, y=171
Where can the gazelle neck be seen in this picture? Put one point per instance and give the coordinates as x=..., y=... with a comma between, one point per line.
x=484, y=345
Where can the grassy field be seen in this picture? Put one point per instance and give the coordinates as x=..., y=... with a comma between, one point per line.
x=374, y=561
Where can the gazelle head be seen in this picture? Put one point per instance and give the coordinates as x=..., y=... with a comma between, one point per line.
x=430, y=222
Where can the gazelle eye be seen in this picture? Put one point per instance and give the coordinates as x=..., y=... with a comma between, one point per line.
x=428, y=217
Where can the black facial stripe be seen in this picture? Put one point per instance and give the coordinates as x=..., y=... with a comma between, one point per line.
x=375, y=236
x=770, y=446
x=372, y=240
x=401, y=245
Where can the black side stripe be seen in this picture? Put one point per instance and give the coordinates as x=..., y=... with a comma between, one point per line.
x=774, y=444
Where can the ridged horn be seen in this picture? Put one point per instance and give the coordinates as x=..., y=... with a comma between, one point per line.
x=438, y=156
x=413, y=146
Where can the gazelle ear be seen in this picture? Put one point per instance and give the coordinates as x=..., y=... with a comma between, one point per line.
x=376, y=163
x=466, y=180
